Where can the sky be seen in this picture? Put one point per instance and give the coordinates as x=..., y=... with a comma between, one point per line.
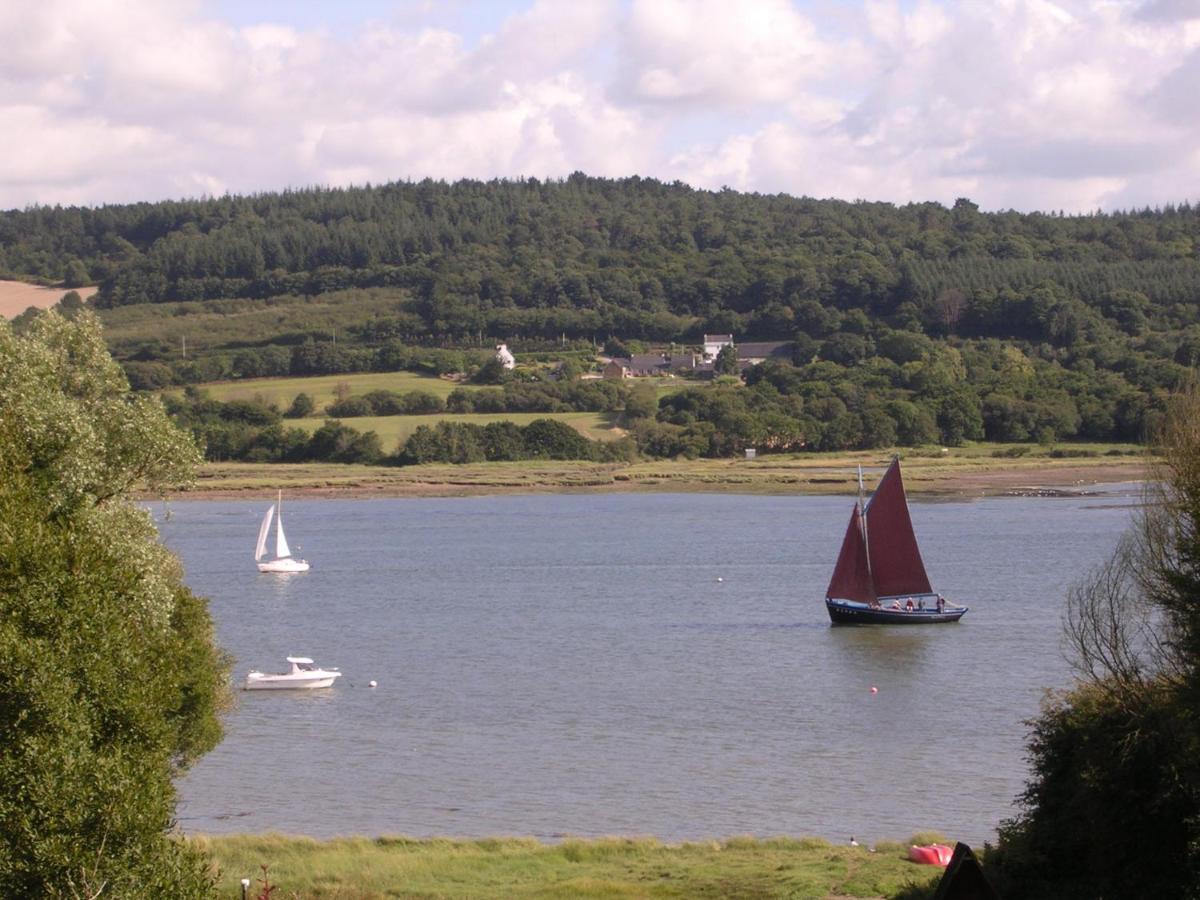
x=1071, y=105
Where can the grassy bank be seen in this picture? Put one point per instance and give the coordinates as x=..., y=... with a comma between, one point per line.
x=964, y=471
x=389, y=867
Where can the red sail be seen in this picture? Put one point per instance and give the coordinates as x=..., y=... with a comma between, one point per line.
x=896, y=565
x=851, y=576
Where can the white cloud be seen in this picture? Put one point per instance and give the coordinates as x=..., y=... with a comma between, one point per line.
x=717, y=53
x=1029, y=104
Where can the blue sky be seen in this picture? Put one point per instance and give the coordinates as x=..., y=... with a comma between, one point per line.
x=1023, y=104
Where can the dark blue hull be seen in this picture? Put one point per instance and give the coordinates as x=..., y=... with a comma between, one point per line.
x=848, y=612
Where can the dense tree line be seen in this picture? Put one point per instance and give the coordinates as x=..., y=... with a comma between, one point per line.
x=912, y=390
x=250, y=431
x=465, y=442
x=999, y=325
x=632, y=257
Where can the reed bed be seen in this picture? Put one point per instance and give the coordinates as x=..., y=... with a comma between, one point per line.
x=960, y=472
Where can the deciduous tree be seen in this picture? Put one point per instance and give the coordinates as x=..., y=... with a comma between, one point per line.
x=110, y=682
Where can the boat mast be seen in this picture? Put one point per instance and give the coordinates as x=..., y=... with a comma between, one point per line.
x=862, y=519
x=281, y=547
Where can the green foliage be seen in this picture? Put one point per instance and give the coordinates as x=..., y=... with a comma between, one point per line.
x=465, y=442
x=1013, y=327
x=1113, y=808
x=112, y=682
x=388, y=403
x=641, y=402
x=75, y=274
x=541, y=396
x=302, y=406
x=726, y=362
x=491, y=372
x=251, y=431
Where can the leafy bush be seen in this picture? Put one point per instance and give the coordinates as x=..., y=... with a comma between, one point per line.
x=112, y=681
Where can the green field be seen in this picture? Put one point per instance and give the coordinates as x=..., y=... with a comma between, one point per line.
x=389, y=867
x=228, y=324
x=324, y=388
x=393, y=430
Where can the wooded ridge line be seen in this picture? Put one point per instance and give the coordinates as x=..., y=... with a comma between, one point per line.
x=908, y=324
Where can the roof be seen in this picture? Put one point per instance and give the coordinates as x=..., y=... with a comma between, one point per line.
x=299, y=659
x=765, y=349
x=714, y=338
x=654, y=362
x=644, y=362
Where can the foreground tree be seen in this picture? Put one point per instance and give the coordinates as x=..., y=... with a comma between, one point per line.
x=1113, y=809
x=110, y=682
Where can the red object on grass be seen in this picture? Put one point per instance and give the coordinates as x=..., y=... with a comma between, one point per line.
x=931, y=854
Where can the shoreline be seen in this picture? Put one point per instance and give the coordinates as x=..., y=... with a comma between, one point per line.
x=925, y=478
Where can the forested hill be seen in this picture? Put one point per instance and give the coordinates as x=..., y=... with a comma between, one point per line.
x=908, y=324
x=636, y=258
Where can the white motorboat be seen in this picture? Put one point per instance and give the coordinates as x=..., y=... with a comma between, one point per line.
x=303, y=674
x=284, y=561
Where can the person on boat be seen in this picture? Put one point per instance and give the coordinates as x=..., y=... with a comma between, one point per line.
x=908, y=606
x=921, y=604
x=896, y=603
x=941, y=603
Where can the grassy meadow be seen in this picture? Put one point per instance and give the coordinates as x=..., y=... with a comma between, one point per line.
x=389, y=867
x=227, y=324
x=324, y=389
x=394, y=430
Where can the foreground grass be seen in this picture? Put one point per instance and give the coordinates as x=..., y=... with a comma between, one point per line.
x=387, y=867
x=962, y=471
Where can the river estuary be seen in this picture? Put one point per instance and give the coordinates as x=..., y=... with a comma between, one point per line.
x=639, y=664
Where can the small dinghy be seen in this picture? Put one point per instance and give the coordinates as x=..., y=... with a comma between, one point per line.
x=303, y=674
x=931, y=854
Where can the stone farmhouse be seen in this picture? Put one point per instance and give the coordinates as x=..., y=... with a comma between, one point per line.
x=643, y=365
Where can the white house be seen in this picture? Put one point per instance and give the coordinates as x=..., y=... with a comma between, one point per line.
x=713, y=344
x=505, y=356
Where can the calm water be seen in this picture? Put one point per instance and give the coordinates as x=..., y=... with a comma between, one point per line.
x=556, y=665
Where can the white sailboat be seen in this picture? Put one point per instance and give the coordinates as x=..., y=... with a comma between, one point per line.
x=283, y=561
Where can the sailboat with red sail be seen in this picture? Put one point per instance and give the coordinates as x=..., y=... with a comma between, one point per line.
x=879, y=578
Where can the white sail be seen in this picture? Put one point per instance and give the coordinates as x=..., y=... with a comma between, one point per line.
x=283, y=563
x=263, y=531
x=282, y=550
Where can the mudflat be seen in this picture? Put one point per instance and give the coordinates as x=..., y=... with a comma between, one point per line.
x=966, y=476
